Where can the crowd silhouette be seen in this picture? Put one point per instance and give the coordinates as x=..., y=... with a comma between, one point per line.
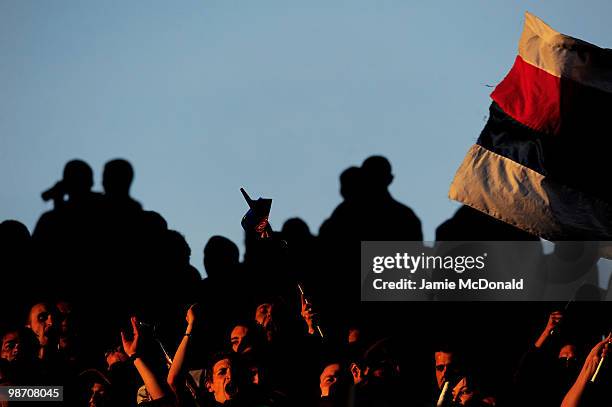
x=101, y=298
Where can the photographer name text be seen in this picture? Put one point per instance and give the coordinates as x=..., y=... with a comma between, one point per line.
x=456, y=265
x=462, y=284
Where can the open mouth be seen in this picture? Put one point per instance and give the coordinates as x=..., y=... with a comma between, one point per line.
x=231, y=388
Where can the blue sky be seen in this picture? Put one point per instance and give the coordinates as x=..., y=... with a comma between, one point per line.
x=204, y=97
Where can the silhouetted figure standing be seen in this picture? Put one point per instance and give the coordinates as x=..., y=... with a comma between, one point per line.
x=339, y=238
x=15, y=261
x=301, y=247
x=67, y=238
x=125, y=239
x=384, y=218
x=368, y=212
x=170, y=274
x=117, y=180
x=226, y=290
x=473, y=230
x=341, y=224
x=221, y=256
x=15, y=246
x=177, y=260
x=151, y=229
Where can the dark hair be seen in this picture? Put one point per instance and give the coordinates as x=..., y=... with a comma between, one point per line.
x=380, y=352
x=444, y=348
x=78, y=176
x=377, y=170
x=220, y=253
x=216, y=357
x=118, y=175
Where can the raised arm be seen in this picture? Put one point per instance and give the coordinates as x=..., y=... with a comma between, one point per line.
x=181, y=353
x=130, y=346
x=309, y=316
x=576, y=392
x=554, y=320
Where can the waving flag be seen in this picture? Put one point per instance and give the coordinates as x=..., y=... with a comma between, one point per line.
x=256, y=218
x=543, y=160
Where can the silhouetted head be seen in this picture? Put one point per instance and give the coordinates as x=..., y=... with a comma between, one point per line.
x=117, y=177
x=295, y=229
x=13, y=229
x=350, y=183
x=380, y=361
x=221, y=255
x=376, y=171
x=177, y=247
x=14, y=237
x=78, y=178
x=153, y=221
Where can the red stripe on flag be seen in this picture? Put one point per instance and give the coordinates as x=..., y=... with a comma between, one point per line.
x=531, y=96
x=559, y=106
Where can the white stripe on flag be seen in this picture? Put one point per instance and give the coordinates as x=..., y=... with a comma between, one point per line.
x=526, y=199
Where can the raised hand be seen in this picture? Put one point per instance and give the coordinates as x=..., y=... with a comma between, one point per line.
x=191, y=317
x=554, y=319
x=599, y=351
x=309, y=316
x=130, y=346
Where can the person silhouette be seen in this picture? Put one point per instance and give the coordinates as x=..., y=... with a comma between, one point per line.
x=78, y=181
x=367, y=213
x=123, y=234
x=15, y=243
x=471, y=232
x=221, y=256
x=117, y=179
x=383, y=217
x=67, y=237
x=341, y=223
x=15, y=261
x=226, y=290
x=302, y=252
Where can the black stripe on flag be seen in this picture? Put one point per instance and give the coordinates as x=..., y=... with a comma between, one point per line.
x=566, y=159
